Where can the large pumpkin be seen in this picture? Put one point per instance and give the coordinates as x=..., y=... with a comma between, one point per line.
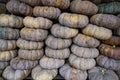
x=32, y=2
x=3, y=65
x=2, y=8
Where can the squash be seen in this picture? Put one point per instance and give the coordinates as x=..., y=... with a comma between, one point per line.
x=106, y=20
x=33, y=34
x=30, y=45
x=70, y=73
x=83, y=7
x=84, y=52
x=51, y=63
x=19, y=8
x=11, y=74
x=7, y=55
x=3, y=64
x=99, y=73
x=9, y=33
x=47, y=12
x=30, y=54
x=62, y=4
x=11, y=21
x=63, y=31
x=37, y=23
x=2, y=8
x=32, y=2
x=85, y=41
x=97, y=32
x=108, y=63
x=22, y=64
x=57, y=43
x=73, y=20
x=39, y=73
x=57, y=54
x=110, y=51
x=6, y=45
x=81, y=63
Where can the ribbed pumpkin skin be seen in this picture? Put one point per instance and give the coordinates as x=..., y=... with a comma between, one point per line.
x=30, y=45
x=47, y=12
x=70, y=73
x=99, y=73
x=11, y=21
x=3, y=65
x=73, y=20
x=2, y=8
x=19, y=8
x=32, y=2
x=39, y=73
x=95, y=31
x=62, y=4
x=105, y=20
x=11, y=74
x=85, y=41
x=37, y=23
x=63, y=31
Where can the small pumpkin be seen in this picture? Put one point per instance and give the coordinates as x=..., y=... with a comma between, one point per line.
x=3, y=64
x=47, y=12
x=39, y=73
x=73, y=20
x=97, y=32
x=2, y=8
x=32, y=2
x=51, y=63
x=11, y=74
x=57, y=43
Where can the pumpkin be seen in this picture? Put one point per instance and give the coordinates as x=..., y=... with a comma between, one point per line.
x=30, y=54
x=32, y=2
x=62, y=4
x=97, y=32
x=19, y=8
x=7, y=45
x=73, y=20
x=33, y=34
x=39, y=73
x=57, y=43
x=11, y=21
x=2, y=8
x=51, y=63
x=9, y=33
x=3, y=64
x=11, y=74
x=109, y=8
x=83, y=7
x=70, y=73
x=110, y=51
x=84, y=52
x=108, y=63
x=105, y=20
x=81, y=63
x=22, y=64
x=47, y=12
x=7, y=55
x=58, y=54
x=85, y=41
x=24, y=44
x=99, y=73
x=37, y=23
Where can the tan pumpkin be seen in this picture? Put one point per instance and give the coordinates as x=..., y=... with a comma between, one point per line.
x=11, y=74
x=97, y=32
x=32, y=2
x=19, y=8
x=57, y=43
x=30, y=54
x=73, y=20
x=3, y=64
x=2, y=8
x=81, y=63
x=51, y=63
x=33, y=34
x=58, y=54
x=47, y=12
x=37, y=23
x=39, y=73
x=63, y=31
x=85, y=41
x=106, y=20
x=13, y=21
x=30, y=45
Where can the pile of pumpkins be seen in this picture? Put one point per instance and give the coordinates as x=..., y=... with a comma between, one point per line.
x=76, y=39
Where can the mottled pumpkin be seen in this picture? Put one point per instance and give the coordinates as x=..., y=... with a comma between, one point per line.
x=32, y=2
x=2, y=8
x=3, y=64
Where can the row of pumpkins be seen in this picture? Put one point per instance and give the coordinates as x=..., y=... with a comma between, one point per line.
x=77, y=39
